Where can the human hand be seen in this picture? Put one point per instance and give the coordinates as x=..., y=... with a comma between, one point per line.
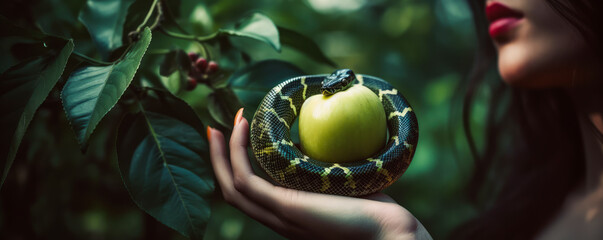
x=299, y=214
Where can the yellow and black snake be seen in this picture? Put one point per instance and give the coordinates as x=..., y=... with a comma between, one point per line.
x=288, y=166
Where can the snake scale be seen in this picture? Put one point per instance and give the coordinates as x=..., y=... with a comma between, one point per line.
x=288, y=166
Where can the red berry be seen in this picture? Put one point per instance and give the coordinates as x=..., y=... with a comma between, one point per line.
x=193, y=56
x=195, y=73
x=201, y=64
x=191, y=83
x=212, y=67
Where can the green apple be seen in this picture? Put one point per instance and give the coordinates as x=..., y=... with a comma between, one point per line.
x=347, y=126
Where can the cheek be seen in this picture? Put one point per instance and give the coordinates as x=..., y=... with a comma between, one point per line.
x=544, y=51
x=525, y=66
x=541, y=59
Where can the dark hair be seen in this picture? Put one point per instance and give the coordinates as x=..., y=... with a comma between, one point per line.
x=533, y=155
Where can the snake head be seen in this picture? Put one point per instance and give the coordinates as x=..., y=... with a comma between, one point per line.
x=337, y=81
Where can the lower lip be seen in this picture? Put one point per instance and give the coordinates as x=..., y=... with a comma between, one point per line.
x=501, y=26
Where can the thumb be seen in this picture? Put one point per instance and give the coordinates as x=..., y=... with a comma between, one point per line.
x=380, y=197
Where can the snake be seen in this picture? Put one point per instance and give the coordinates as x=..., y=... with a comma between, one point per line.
x=287, y=165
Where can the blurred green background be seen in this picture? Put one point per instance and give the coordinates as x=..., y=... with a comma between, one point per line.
x=423, y=47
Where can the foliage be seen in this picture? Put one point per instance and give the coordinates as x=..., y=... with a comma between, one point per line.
x=25, y=86
x=92, y=91
x=95, y=97
x=163, y=162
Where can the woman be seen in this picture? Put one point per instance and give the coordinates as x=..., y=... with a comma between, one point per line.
x=547, y=167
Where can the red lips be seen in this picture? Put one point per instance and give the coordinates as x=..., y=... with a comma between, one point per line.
x=501, y=18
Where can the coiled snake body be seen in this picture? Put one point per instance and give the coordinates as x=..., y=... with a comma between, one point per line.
x=287, y=165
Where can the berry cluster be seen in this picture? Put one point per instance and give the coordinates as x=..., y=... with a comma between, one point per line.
x=200, y=71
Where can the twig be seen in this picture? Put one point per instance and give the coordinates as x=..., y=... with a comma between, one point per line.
x=146, y=19
x=206, y=52
x=188, y=37
x=158, y=18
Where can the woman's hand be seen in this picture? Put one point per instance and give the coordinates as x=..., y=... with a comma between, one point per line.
x=299, y=214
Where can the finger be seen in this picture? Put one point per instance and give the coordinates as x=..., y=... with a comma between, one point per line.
x=381, y=197
x=253, y=187
x=245, y=180
x=262, y=215
x=297, y=207
x=219, y=158
x=238, y=149
x=239, y=160
x=223, y=172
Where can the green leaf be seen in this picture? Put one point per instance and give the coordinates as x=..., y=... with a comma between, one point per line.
x=164, y=163
x=223, y=106
x=164, y=102
x=151, y=79
x=105, y=20
x=305, y=45
x=19, y=44
x=252, y=83
x=176, y=60
x=90, y=92
x=23, y=88
x=257, y=26
x=9, y=29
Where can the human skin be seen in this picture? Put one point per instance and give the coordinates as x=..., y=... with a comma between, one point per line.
x=542, y=51
x=298, y=214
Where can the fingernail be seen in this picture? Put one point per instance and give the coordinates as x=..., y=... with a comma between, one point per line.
x=208, y=133
x=238, y=117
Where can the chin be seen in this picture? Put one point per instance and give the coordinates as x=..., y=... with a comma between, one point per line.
x=515, y=72
x=511, y=75
x=519, y=76
x=521, y=69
